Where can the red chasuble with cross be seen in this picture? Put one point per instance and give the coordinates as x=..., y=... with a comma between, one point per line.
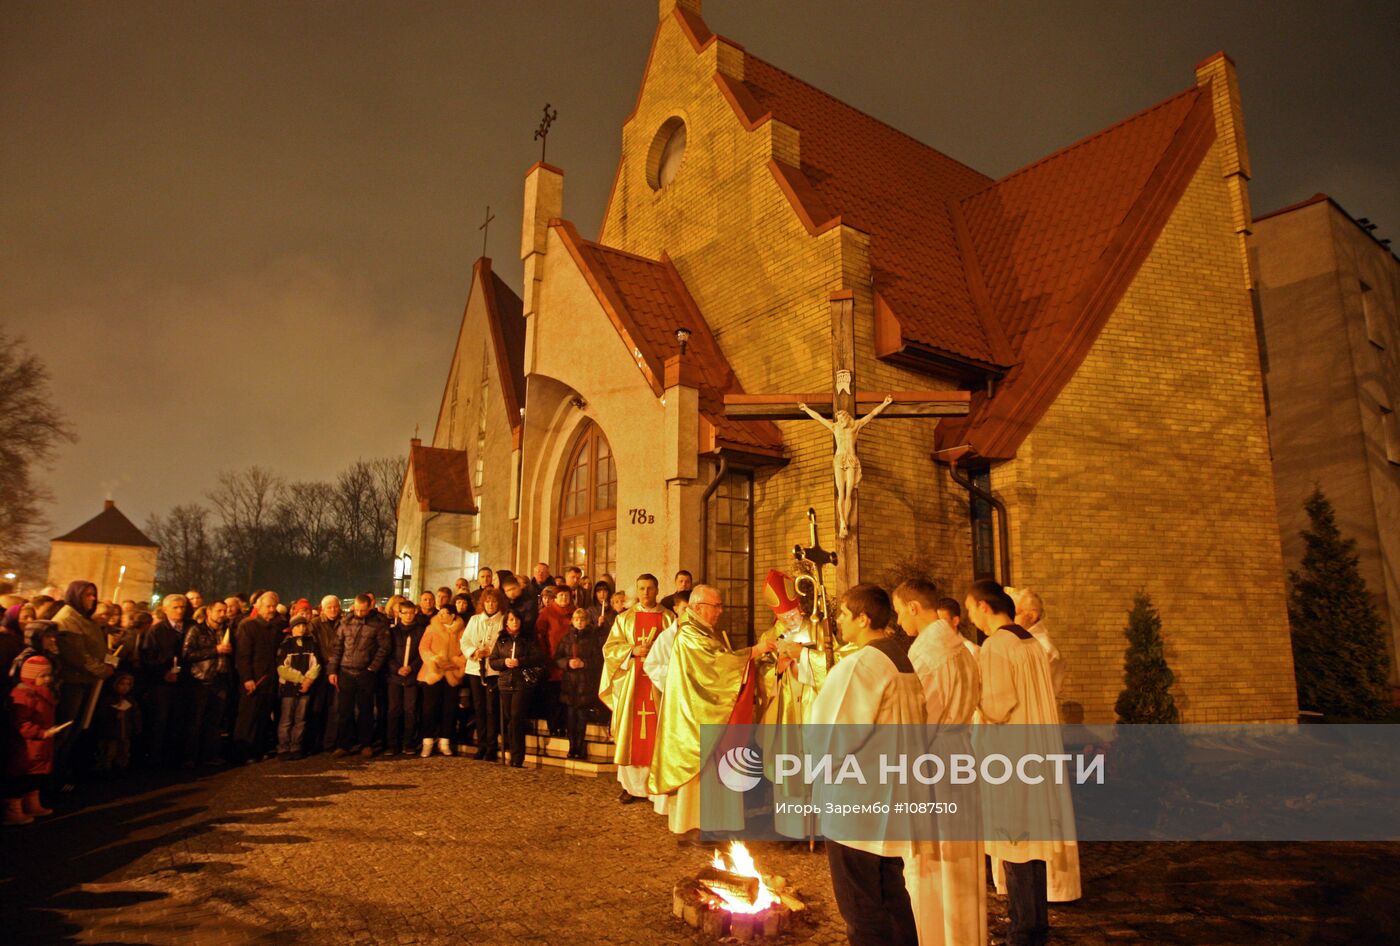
x=647, y=627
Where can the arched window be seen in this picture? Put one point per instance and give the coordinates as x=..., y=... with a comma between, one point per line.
x=588, y=506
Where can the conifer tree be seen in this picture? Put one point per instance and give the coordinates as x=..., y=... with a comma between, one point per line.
x=1339, y=651
x=1147, y=680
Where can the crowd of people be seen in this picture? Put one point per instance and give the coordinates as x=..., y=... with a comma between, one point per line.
x=95, y=687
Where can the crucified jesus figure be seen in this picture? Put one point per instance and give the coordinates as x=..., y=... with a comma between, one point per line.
x=845, y=464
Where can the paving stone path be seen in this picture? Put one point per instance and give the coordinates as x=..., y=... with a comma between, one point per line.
x=450, y=850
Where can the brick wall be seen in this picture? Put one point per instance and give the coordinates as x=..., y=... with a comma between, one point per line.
x=764, y=285
x=1151, y=471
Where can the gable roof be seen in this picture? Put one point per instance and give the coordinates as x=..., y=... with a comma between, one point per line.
x=442, y=478
x=506, y=323
x=1055, y=246
x=1009, y=279
x=506, y=320
x=109, y=527
x=647, y=300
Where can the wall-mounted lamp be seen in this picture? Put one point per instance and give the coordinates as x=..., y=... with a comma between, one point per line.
x=578, y=402
x=683, y=336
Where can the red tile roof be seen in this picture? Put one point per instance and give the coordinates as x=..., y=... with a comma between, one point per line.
x=1014, y=278
x=109, y=527
x=442, y=479
x=1056, y=245
x=647, y=301
x=887, y=184
x=506, y=320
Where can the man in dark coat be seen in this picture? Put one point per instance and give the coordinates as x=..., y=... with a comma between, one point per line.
x=403, y=665
x=361, y=649
x=521, y=602
x=158, y=657
x=255, y=655
x=320, y=716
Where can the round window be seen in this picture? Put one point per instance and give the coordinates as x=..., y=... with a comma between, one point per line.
x=666, y=153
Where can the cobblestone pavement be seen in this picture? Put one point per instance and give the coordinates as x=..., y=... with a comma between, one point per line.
x=450, y=850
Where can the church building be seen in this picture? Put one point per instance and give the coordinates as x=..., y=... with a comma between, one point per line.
x=1069, y=354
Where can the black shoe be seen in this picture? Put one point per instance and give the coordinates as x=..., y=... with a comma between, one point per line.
x=627, y=797
x=517, y=765
x=339, y=754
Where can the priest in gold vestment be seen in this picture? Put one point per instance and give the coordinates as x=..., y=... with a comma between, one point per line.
x=709, y=683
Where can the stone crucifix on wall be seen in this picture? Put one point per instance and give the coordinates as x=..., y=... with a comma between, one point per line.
x=845, y=464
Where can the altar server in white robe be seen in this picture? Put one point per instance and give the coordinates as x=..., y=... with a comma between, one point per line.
x=657, y=663
x=948, y=890
x=1062, y=877
x=866, y=698
x=1028, y=826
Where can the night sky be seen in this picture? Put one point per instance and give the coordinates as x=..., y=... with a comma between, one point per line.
x=243, y=232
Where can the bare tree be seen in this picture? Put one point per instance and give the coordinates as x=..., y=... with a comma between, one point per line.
x=246, y=502
x=307, y=517
x=187, y=559
x=388, y=484
x=303, y=539
x=31, y=427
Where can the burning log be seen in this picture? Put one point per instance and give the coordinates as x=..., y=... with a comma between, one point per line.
x=729, y=897
x=726, y=881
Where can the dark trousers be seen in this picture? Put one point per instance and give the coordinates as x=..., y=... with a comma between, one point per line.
x=578, y=732
x=355, y=708
x=292, y=725
x=549, y=707
x=72, y=704
x=317, y=714
x=515, y=706
x=440, y=711
x=1026, y=903
x=381, y=706
x=204, y=704
x=253, y=727
x=871, y=896
x=157, y=709
x=403, y=714
x=484, y=708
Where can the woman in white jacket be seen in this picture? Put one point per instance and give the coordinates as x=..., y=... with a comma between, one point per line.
x=478, y=639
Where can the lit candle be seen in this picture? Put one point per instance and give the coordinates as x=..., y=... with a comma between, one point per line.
x=406, y=643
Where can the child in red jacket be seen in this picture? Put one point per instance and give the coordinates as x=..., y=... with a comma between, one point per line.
x=31, y=758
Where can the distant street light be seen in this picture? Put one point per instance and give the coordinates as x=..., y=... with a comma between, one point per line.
x=10, y=576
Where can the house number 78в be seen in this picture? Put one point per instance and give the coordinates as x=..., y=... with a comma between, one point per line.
x=640, y=517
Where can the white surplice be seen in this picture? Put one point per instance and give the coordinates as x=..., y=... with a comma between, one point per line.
x=863, y=691
x=1017, y=690
x=1062, y=878
x=947, y=888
